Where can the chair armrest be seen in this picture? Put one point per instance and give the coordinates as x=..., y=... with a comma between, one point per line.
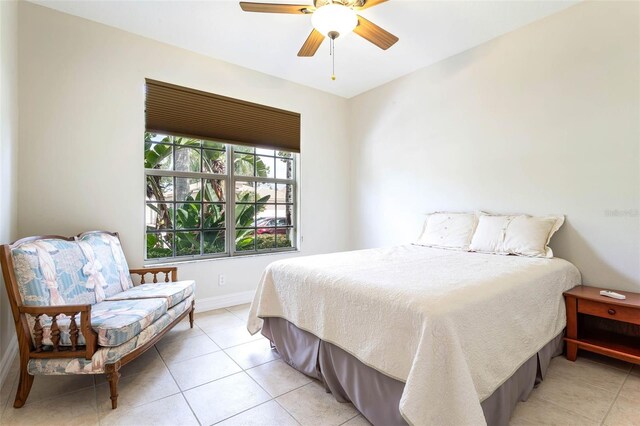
x=90, y=336
x=166, y=270
x=54, y=310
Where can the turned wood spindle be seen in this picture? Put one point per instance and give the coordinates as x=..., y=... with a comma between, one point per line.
x=73, y=332
x=37, y=333
x=142, y=281
x=166, y=277
x=155, y=277
x=55, y=333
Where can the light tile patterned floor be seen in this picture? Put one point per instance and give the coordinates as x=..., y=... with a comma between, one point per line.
x=217, y=373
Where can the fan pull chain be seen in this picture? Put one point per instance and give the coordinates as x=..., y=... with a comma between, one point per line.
x=333, y=60
x=333, y=35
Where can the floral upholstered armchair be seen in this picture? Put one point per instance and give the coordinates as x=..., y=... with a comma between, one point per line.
x=77, y=311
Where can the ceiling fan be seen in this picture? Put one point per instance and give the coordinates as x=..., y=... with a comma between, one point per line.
x=330, y=18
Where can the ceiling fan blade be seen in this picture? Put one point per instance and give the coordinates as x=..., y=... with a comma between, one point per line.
x=312, y=43
x=373, y=33
x=276, y=7
x=370, y=3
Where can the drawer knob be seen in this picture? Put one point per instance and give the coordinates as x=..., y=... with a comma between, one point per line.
x=612, y=311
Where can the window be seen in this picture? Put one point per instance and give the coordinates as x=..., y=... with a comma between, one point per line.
x=207, y=199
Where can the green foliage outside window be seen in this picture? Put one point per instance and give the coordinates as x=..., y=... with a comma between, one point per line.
x=178, y=205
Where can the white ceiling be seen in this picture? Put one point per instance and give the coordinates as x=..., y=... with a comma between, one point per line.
x=429, y=31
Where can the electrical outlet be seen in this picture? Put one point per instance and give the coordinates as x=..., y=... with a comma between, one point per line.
x=221, y=280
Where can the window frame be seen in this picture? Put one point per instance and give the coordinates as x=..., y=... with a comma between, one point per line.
x=229, y=179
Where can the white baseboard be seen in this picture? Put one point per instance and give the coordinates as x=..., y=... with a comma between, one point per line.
x=218, y=302
x=7, y=361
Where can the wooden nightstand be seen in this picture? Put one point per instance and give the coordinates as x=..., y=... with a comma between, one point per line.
x=583, y=300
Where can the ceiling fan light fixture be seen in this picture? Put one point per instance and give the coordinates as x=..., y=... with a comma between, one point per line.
x=334, y=18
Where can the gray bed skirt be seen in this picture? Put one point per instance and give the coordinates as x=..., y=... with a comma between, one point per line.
x=376, y=395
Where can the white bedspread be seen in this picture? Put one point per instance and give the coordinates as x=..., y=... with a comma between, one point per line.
x=452, y=325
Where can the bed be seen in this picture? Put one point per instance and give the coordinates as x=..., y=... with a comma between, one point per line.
x=417, y=335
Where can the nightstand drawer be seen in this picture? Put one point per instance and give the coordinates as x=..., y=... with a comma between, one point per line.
x=605, y=310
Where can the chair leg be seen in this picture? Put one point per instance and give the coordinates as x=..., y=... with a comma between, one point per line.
x=113, y=375
x=24, y=387
x=193, y=304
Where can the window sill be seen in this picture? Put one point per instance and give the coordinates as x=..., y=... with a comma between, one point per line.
x=152, y=263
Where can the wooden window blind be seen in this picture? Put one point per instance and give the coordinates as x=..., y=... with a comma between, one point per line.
x=181, y=111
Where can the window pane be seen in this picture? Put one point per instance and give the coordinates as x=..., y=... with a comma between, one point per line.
x=158, y=156
x=214, y=190
x=187, y=159
x=159, y=216
x=284, y=154
x=266, y=212
x=245, y=191
x=187, y=243
x=159, y=188
x=284, y=169
x=214, y=145
x=214, y=216
x=284, y=193
x=266, y=232
x=284, y=215
x=264, y=167
x=245, y=215
x=265, y=192
x=159, y=245
x=184, y=141
x=157, y=137
x=245, y=239
x=188, y=216
x=261, y=151
x=187, y=189
x=266, y=240
x=285, y=237
x=214, y=242
x=214, y=161
x=245, y=149
x=243, y=164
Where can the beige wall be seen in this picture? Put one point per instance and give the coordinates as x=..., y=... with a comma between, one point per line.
x=545, y=119
x=8, y=157
x=82, y=124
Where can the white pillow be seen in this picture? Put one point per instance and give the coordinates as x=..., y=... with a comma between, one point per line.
x=530, y=236
x=490, y=234
x=521, y=235
x=448, y=230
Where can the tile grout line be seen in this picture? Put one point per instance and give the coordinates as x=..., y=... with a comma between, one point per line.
x=608, y=365
x=285, y=408
x=569, y=410
x=585, y=381
x=193, y=357
x=253, y=366
x=59, y=395
x=615, y=399
x=274, y=398
x=242, y=370
x=343, y=423
x=240, y=412
x=176, y=382
x=223, y=329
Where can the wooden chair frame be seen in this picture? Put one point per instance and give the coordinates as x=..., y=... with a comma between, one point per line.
x=30, y=350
